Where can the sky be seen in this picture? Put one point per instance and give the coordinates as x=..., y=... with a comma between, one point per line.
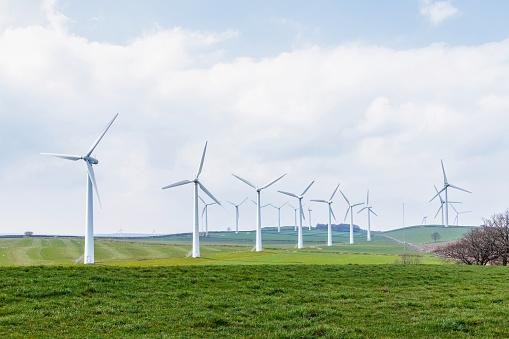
x=370, y=95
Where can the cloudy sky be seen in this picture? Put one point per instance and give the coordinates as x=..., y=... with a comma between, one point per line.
x=367, y=94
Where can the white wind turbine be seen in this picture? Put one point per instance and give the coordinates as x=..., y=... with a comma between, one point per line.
x=331, y=215
x=445, y=189
x=279, y=214
x=458, y=213
x=295, y=209
x=237, y=215
x=205, y=212
x=424, y=220
x=197, y=185
x=350, y=209
x=309, y=213
x=259, y=246
x=370, y=211
x=442, y=203
x=300, y=242
x=88, y=257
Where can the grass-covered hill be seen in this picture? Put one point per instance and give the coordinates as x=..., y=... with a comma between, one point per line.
x=389, y=301
x=423, y=234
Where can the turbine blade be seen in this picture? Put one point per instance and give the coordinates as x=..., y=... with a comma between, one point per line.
x=288, y=193
x=438, y=193
x=373, y=212
x=332, y=212
x=334, y=193
x=443, y=171
x=231, y=203
x=94, y=145
x=302, y=213
x=346, y=214
x=179, y=183
x=459, y=188
x=243, y=201
x=307, y=188
x=361, y=203
x=91, y=175
x=202, y=159
x=438, y=211
x=201, y=199
x=203, y=211
x=316, y=200
x=63, y=156
x=362, y=209
x=367, y=199
x=286, y=203
x=208, y=193
x=454, y=208
x=244, y=181
x=344, y=196
x=273, y=182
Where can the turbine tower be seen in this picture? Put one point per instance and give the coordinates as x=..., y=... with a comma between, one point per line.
x=205, y=212
x=331, y=215
x=279, y=214
x=309, y=212
x=88, y=257
x=237, y=213
x=458, y=213
x=445, y=189
x=300, y=242
x=350, y=210
x=295, y=209
x=258, y=245
x=442, y=203
x=197, y=186
x=370, y=211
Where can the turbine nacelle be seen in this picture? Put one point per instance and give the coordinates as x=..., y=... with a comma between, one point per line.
x=91, y=160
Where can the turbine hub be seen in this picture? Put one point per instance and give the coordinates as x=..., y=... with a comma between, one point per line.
x=91, y=160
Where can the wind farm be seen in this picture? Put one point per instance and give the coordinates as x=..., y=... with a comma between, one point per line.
x=254, y=169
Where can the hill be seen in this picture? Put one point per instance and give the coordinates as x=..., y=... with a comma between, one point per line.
x=422, y=234
x=389, y=301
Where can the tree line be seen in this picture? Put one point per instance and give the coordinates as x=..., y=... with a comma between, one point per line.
x=488, y=244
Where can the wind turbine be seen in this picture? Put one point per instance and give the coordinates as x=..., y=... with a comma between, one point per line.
x=442, y=203
x=300, y=242
x=424, y=220
x=237, y=213
x=458, y=213
x=369, y=208
x=88, y=257
x=445, y=189
x=279, y=214
x=350, y=209
x=197, y=186
x=258, y=246
x=295, y=209
x=205, y=212
x=331, y=215
x=309, y=212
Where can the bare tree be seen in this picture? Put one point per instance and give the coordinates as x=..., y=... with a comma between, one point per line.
x=498, y=227
x=476, y=247
x=435, y=236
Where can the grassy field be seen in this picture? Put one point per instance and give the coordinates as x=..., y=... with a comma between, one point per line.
x=447, y=301
x=422, y=234
x=219, y=248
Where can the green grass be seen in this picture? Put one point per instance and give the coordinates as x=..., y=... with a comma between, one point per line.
x=219, y=248
x=396, y=301
x=422, y=234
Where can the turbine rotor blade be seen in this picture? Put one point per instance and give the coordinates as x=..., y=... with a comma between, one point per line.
x=208, y=193
x=362, y=209
x=344, y=196
x=302, y=213
x=203, y=211
x=273, y=182
x=443, y=171
x=317, y=200
x=203, y=201
x=334, y=193
x=243, y=201
x=244, y=181
x=361, y=203
x=438, y=211
x=94, y=145
x=438, y=194
x=178, y=183
x=459, y=188
x=346, y=214
x=332, y=212
x=63, y=156
x=91, y=175
x=307, y=188
x=286, y=203
x=373, y=212
x=288, y=193
x=202, y=159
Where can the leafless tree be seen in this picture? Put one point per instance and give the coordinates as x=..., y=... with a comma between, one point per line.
x=498, y=226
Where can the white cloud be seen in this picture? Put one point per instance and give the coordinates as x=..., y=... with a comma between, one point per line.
x=364, y=115
x=438, y=11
